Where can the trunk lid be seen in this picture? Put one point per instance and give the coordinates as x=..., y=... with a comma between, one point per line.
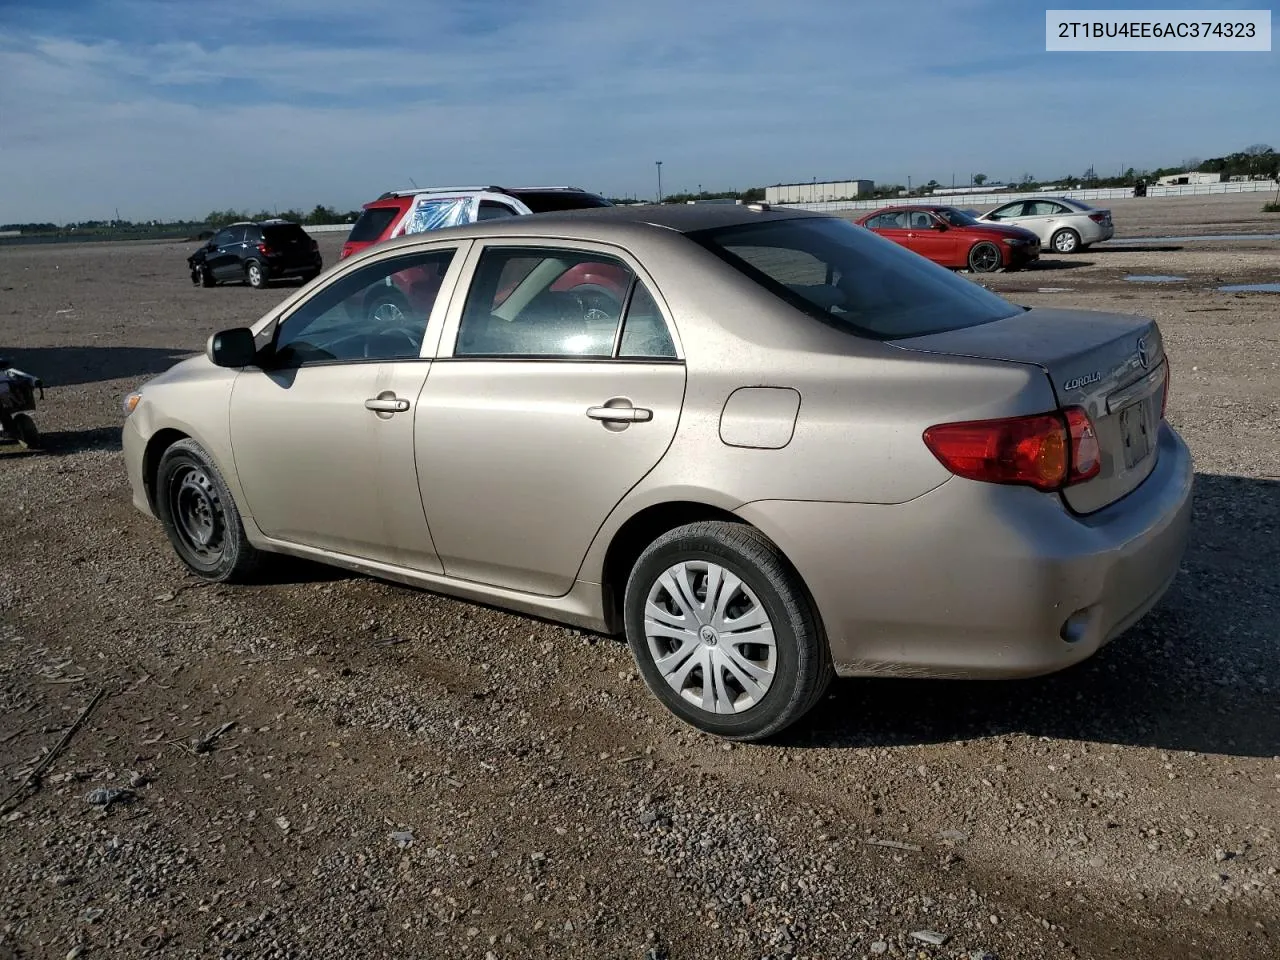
x=1112, y=365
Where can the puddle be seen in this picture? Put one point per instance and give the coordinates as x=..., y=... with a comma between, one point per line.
x=1251, y=288
x=1202, y=236
x=1154, y=278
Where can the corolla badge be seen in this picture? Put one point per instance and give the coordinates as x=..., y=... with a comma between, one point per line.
x=1075, y=383
x=1143, y=357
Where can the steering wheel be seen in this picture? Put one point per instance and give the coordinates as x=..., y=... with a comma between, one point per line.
x=406, y=333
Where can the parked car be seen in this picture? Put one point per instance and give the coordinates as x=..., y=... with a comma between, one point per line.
x=401, y=212
x=1063, y=224
x=256, y=253
x=791, y=449
x=952, y=238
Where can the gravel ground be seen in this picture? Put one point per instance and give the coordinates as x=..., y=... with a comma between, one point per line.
x=330, y=766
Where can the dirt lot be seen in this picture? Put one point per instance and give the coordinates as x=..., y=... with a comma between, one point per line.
x=409, y=776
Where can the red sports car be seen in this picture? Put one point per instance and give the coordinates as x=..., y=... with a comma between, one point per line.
x=953, y=238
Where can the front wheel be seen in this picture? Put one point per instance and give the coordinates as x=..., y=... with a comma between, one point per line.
x=984, y=257
x=724, y=632
x=24, y=431
x=200, y=518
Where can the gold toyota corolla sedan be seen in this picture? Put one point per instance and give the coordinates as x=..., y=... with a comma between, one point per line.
x=768, y=446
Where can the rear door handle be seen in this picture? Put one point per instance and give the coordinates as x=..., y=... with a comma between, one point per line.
x=620, y=414
x=384, y=405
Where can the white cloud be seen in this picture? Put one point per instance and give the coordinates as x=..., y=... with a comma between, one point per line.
x=305, y=101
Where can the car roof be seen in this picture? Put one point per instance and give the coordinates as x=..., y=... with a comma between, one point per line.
x=610, y=223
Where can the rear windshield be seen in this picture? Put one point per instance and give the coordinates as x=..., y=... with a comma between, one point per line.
x=547, y=201
x=372, y=223
x=848, y=276
x=284, y=233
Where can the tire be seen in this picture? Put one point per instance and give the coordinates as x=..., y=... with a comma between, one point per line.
x=984, y=257
x=206, y=277
x=24, y=430
x=1065, y=240
x=200, y=517
x=308, y=277
x=256, y=274
x=799, y=668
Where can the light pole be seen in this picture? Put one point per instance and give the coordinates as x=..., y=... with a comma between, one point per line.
x=659, y=163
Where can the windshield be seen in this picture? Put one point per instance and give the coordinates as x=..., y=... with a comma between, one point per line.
x=848, y=276
x=957, y=218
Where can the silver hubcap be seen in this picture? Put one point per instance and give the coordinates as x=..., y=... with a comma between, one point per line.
x=710, y=637
x=254, y=273
x=1065, y=243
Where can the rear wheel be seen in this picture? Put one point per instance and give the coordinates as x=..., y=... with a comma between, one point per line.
x=200, y=518
x=256, y=274
x=724, y=632
x=984, y=257
x=1065, y=240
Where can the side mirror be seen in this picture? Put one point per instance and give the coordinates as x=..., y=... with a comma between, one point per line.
x=232, y=348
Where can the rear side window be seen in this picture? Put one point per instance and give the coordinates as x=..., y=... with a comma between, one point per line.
x=853, y=279
x=372, y=224
x=548, y=201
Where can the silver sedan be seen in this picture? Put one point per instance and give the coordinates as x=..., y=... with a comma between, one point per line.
x=767, y=446
x=1063, y=224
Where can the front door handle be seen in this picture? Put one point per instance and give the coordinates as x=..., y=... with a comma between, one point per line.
x=386, y=405
x=626, y=414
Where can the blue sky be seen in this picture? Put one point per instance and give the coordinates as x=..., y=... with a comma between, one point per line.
x=167, y=109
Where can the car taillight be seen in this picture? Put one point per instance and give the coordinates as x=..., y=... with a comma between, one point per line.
x=1164, y=391
x=347, y=250
x=1098, y=217
x=1047, y=451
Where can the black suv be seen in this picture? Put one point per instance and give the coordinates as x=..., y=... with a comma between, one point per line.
x=256, y=253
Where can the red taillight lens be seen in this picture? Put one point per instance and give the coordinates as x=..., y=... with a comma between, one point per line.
x=1086, y=454
x=1047, y=451
x=347, y=250
x=264, y=250
x=1097, y=217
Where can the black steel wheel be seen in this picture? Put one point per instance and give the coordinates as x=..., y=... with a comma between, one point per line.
x=200, y=517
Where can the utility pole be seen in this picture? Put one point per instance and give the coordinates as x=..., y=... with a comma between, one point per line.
x=659, y=163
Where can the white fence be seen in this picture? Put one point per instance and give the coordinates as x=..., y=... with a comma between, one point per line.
x=983, y=199
x=964, y=199
x=1207, y=189
x=326, y=227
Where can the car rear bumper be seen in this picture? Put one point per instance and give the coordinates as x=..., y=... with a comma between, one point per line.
x=978, y=580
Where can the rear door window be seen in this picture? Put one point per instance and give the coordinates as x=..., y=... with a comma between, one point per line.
x=853, y=279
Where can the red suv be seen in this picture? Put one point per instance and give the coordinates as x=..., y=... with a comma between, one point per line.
x=401, y=212
x=953, y=238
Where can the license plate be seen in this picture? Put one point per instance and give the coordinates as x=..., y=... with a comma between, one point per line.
x=1134, y=432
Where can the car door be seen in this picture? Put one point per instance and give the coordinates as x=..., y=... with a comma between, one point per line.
x=927, y=238
x=1041, y=217
x=544, y=408
x=1009, y=213
x=224, y=259
x=892, y=225
x=323, y=433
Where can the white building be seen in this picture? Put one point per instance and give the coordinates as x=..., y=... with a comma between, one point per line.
x=817, y=190
x=1190, y=177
